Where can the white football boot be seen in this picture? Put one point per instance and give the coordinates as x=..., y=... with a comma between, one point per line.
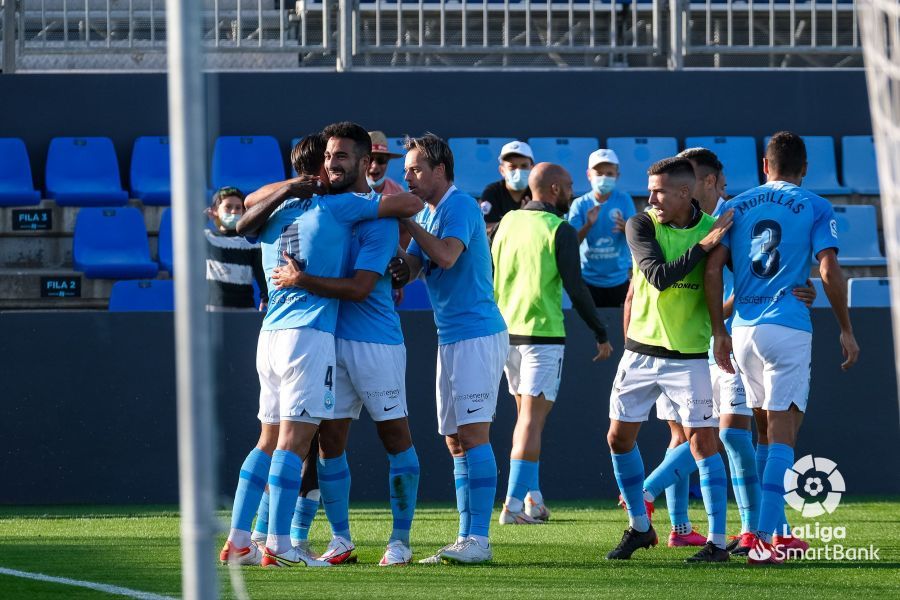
x=536, y=511
x=396, y=553
x=507, y=517
x=435, y=559
x=469, y=552
x=249, y=556
x=340, y=550
x=295, y=557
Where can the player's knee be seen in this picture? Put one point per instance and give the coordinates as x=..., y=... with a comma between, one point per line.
x=704, y=443
x=395, y=436
x=618, y=443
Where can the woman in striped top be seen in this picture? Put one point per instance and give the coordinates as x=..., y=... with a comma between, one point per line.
x=232, y=262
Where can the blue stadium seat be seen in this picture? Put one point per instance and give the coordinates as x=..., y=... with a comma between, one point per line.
x=140, y=295
x=164, y=241
x=859, y=166
x=571, y=153
x=635, y=157
x=151, y=180
x=112, y=243
x=821, y=175
x=869, y=292
x=821, y=300
x=738, y=156
x=858, y=236
x=84, y=172
x=16, y=186
x=246, y=162
x=476, y=161
x=294, y=142
x=395, y=168
x=415, y=297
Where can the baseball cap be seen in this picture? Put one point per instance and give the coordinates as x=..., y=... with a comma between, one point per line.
x=380, y=144
x=603, y=155
x=517, y=147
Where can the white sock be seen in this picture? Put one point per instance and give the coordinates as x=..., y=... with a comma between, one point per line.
x=641, y=523
x=239, y=538
x=718, y=539
x=648, y=497
x=460, y=539
x=278, y=543
x=536, y=497
x=482, y=540
x=514, y=505
x=314, y=495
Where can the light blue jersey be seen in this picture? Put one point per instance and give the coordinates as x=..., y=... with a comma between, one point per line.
x=463, y=296
x=605, y=257
x=316, y=233
x=373, y=320
x=778, y=227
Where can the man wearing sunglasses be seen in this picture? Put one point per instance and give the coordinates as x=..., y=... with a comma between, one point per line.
x=377, y=173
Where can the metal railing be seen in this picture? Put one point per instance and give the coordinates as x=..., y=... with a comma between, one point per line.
x=433, y=34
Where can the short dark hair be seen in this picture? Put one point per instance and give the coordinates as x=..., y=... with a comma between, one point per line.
x=351, y=131
x=435, y=151
x=308, y=155
x=226, y=192
x=674, y=166
x=786, y=153
x=703, y=157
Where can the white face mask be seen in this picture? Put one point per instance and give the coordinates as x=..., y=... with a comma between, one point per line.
x=373, y=183
x=229, y=220
x=517, y=179
x=603, y=184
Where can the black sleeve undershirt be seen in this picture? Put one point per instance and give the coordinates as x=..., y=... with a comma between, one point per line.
x=568, y=263
x=648, y=254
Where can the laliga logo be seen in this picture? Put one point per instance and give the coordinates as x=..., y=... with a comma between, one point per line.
x=821, y=482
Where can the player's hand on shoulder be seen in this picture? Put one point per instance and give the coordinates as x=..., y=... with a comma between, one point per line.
x=850, y=349
x=719, y=228
x=304, y=186
x=604, y=351
x=722, y=352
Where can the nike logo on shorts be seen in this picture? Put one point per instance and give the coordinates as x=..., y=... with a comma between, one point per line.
x=707, y=417
x=470, y=411
x=738, y=403
x=390, y=408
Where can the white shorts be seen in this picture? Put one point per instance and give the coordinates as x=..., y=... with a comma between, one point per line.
x=296, y=375
x=468, y=380
x=775, y=364
x=373, y=375
x=729, y=397
x=535, y=369
x=684, y=384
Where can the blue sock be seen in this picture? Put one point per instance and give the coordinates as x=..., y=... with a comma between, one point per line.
x=304, y=512
x=461, y=477
x=284, y=485
x=714, y=487
x=678, y=494
x=482, y=487
x=404, y=487
x=250, y=488
x=261, y=528
x=629, y=471
x=535, y=488
x=522, y=475
x=771, y=511
x=677, y=466
x=762, y=454
x=742, y=463
x=334, y=483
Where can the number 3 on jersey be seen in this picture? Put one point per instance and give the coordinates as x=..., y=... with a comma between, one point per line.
x=764, y=257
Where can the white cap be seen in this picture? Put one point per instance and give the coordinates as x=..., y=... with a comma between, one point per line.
x=603, y=155
x=517, y=147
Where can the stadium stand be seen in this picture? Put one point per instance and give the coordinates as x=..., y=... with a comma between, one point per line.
x=16, y=185
x=570, y=152
x=475, y=162
x=112, y=243
x=415, y=297
x=739, y=157
x=858, y=234
x=151, y=179
x=821, y=300
x=869, y=292
x=246, y=162
x=84, y=172
x=142, y=295
x=164, y=241
x=859, y=168
x=636, y=154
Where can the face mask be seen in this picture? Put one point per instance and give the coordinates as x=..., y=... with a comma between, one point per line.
x=229, y=221
x=517, y=179
x=603, y=185
x=374, y=184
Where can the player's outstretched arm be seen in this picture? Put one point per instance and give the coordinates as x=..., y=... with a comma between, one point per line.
x=354, y=289
x=568, y=263
x=257, y=215
x=400, y=206
x=713, y=288
x=443, y=252
x=836, y=289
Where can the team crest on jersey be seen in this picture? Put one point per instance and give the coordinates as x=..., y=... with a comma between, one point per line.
x=833, y=224
x=329, y=399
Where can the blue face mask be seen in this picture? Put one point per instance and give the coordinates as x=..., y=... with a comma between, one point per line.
x=603, y=184
x=517, y=179
x=374, y=184
x=229, y=221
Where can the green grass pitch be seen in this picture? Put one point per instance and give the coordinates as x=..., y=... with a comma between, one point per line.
x=138, y=548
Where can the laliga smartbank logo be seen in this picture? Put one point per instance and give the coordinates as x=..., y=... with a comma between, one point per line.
x=813, y=486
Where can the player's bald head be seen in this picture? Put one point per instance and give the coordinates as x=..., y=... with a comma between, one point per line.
x=552, y=184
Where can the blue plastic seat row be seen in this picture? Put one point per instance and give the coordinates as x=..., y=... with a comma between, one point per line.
x=862, y=292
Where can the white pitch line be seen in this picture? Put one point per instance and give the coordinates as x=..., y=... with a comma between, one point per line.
x=100, y=587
